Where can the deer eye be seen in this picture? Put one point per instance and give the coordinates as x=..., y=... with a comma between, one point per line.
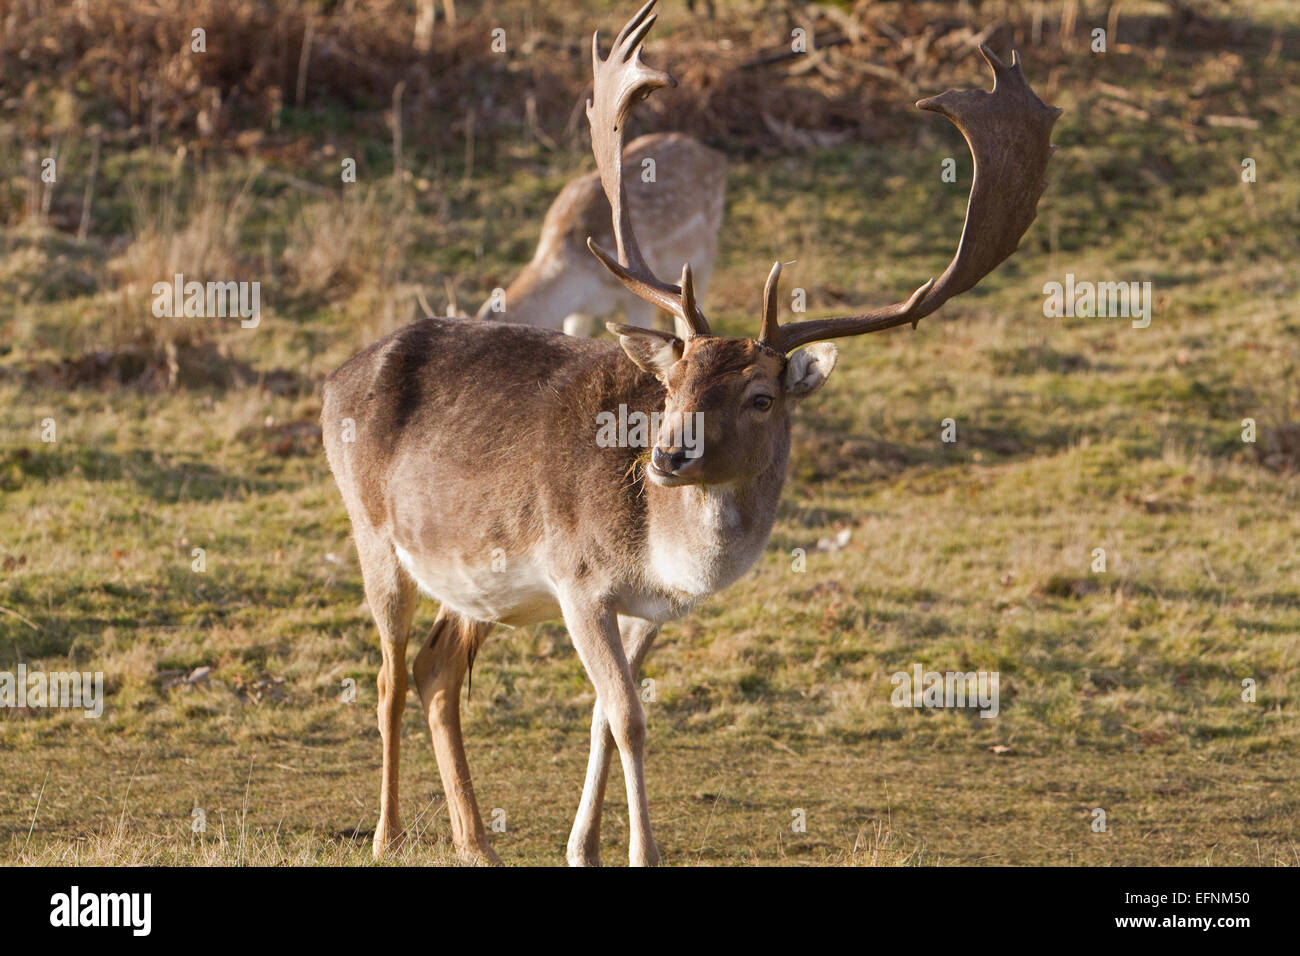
x=761, y=402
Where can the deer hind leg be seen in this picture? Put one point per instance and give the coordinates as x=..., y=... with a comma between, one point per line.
x=392, y=597
x=584, y=841
x=439, y=670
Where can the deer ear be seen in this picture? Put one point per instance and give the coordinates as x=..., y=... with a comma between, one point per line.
x=650, y=350
x=807, y=369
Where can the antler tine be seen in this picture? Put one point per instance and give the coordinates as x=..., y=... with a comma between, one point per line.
x=770, y=334
x=1009, y=133
x=687, y=285
x=616, y=81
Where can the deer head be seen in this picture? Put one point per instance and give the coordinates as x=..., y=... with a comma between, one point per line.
x=745, y=388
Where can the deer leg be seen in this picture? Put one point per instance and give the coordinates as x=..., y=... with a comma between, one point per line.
x=594, y=630
x=392, y=596
x=580, y=325
x=584, y=841
x=439, y=671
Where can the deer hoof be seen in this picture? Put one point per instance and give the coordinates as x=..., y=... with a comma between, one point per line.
x=388, y=840
x=582, y=858
x=478, y=855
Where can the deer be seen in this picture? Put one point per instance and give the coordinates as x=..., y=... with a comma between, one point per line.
x=679, y=187
x=466, y=454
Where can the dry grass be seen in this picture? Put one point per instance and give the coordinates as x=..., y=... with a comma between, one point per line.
x=195, y=230
x=353, y=252
x=741, y=88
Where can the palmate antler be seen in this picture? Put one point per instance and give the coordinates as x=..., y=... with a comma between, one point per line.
x=617, y=80
x=1008, y=131
x=1009, y=135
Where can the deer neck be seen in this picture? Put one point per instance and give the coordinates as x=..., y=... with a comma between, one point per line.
x=702, y=538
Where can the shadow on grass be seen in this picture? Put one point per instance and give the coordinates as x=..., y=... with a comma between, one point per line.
x=834, y=452
x=154, y=473
x=174, y=598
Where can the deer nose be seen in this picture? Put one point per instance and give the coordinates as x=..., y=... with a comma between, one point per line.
x=668, y=461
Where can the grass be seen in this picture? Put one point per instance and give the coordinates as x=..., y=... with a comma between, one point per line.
x=1120, y=690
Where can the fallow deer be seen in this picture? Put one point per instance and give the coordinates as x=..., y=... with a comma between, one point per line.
x=471, y=470
x=678, y=196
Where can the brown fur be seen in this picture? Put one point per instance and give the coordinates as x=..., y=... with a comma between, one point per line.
x=472, y=436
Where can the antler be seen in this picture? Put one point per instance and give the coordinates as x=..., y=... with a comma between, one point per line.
x=617, y=80
x=1008, y=132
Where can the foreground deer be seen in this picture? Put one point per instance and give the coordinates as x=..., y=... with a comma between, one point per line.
x=679, y=212
x=478, y=439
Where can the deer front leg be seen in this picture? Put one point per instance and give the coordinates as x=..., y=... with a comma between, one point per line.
x=584, y=841
x=595, y=635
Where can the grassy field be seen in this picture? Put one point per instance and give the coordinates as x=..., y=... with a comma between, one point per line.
x=1120, y=690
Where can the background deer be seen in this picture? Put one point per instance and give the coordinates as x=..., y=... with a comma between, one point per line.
x=477, y=439
x=679, y=212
